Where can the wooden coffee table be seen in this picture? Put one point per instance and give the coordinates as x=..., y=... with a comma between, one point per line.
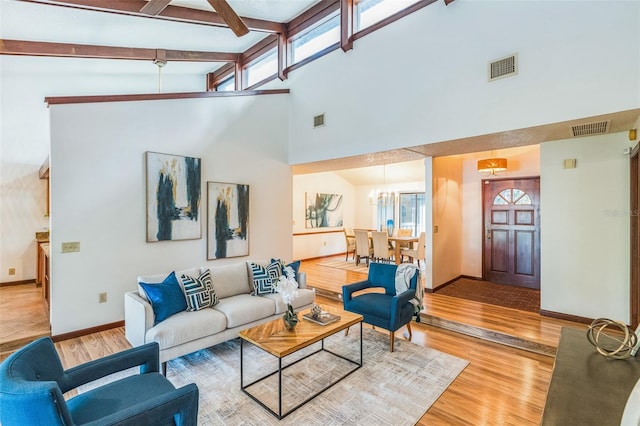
x=272, y=337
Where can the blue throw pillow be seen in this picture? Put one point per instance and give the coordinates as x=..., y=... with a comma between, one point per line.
x=293, y=265
x=167, y=297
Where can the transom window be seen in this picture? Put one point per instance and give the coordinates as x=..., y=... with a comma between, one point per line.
x=227, y=85
x=315, y=39
x=512, y=196
x=370, y=12
x=263, y=68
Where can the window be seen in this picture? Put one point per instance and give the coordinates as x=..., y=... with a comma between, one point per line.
x=411, y=212
x=314, y=40
x=262, y=68
x=512, y=195
x=227, y=85
x=369, y=12
x=386, y=211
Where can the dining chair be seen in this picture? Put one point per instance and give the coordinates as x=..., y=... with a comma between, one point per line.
x=350, y=241
x=363, y=247
x=404, y=233
x=417, y=252
x=381, y=249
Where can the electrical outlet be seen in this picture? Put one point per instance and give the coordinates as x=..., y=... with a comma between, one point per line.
x=435, y=229
x=71, y=247
x=102, y=297
x=12, y=271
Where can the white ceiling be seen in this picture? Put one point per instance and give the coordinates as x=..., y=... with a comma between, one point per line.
x=267, y=10
x=26, y=20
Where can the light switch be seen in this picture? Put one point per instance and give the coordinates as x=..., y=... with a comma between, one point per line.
x=569, y=163
x=71, y=247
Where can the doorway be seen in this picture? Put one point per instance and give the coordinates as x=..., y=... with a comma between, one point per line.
x=635, y=237
x=511, y=231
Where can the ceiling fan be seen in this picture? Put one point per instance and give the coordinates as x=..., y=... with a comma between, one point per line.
x=154, y=7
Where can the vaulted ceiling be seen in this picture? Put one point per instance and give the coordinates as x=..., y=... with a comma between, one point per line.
x=193, y=32
x=184, y=25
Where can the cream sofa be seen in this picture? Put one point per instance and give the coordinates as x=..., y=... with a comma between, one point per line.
x=187, y=332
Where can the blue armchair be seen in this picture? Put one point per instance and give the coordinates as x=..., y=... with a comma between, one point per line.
x=387, y=310
x=33, y=381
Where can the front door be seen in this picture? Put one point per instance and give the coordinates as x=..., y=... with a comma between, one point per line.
x=512, y=231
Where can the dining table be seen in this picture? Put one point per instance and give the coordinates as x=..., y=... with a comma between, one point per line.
x=396, y=240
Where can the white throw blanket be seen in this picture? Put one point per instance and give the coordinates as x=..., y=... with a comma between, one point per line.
x=404, y=274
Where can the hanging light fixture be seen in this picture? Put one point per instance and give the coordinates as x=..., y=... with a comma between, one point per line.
x=160, y=63
x=492, y=165
x=382, y=197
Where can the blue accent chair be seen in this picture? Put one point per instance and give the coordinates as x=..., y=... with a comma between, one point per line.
x=387, y=310
x=33, y=381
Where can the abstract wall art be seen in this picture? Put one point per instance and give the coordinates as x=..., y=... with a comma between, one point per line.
x=323, y=210
x=173, y=197
x=227, y=220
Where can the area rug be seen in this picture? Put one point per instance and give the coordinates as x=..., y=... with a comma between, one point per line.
x=349, y=265
x=390, y=389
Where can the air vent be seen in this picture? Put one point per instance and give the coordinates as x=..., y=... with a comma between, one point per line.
x=590, y=129
x=318, y=121
x=504, y=67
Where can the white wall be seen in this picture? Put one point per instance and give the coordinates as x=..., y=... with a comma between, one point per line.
x=358, y=212
x=24, y=139
x=98, y=191
x=447, y=216
x=425, y=80
x=585, y=227
x=317, y=242
x=521, y=162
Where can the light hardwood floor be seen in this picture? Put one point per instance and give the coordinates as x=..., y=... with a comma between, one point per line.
x=501, y=385
x=23, y=317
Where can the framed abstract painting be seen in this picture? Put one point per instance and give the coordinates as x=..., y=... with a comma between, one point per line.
x=227, y=220
x=173, y=197
x=323, y=210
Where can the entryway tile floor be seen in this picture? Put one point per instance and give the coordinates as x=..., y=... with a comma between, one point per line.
x=508, y=296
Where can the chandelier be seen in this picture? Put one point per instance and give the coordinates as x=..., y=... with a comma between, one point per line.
x=384, y=196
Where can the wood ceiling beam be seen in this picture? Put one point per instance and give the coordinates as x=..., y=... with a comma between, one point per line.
x=67, y=50
x=170, y=13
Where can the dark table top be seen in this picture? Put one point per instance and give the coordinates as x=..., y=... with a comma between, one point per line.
x=587, y=388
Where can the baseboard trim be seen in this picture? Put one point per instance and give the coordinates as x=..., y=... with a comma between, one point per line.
x=10, y=283
x=567, y=317
x=86, y=331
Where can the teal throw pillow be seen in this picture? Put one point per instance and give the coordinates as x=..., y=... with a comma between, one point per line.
x=167, y=297
x=293, y=265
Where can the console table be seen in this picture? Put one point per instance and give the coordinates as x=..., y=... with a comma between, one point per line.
x=586, y=388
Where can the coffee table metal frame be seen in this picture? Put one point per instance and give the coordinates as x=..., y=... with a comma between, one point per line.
x=280, y=415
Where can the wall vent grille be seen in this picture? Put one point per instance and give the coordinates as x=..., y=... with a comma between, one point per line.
x=318, y=121
x=590, y=129
x=505, y=67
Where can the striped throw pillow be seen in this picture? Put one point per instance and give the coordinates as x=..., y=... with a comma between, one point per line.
x=265, y=277
x=199, y=292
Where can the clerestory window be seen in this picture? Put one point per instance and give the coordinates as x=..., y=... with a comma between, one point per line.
x=264, y=67
x=370, y=12
x=315, y=39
